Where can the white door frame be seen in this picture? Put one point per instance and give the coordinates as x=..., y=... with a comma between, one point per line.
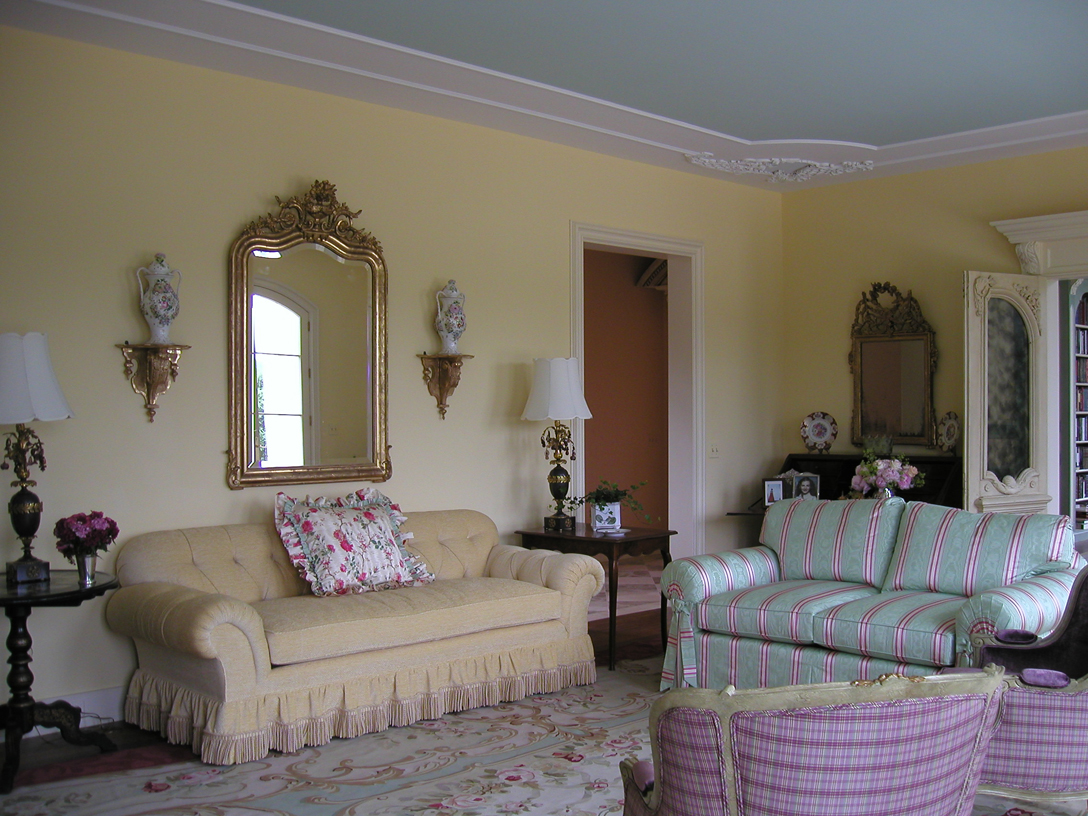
x=687, y=409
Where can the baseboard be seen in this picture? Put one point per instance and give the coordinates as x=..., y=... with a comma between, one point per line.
x=96, y=708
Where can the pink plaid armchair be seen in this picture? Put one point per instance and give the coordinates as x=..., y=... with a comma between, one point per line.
x=890, y=746
x=1040, y=749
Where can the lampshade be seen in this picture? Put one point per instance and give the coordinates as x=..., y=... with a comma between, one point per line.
x=557, y=391
x=28, y=387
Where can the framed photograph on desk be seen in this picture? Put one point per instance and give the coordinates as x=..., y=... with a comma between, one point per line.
x=773, y=490
x=806, y=486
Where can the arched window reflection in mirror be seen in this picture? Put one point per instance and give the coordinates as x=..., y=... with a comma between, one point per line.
x=282, y=403
x=307, y=347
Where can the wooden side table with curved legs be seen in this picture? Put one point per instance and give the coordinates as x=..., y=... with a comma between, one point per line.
x=21, y=713
x=631, y=541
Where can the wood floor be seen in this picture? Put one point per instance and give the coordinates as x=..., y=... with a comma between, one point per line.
x=637, y=636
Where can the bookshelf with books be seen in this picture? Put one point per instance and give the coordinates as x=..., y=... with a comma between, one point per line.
x=1080, y=412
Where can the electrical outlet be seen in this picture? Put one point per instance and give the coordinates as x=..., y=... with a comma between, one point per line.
x=715, y=451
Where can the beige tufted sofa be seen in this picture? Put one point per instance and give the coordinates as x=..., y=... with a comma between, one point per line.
x=237, y=657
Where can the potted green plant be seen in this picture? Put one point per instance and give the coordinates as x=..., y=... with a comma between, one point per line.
x=605, y=501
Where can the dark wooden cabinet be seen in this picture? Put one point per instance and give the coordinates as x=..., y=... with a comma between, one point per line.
x=943, y=476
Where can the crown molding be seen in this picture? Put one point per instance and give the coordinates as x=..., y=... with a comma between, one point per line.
x=226, y=36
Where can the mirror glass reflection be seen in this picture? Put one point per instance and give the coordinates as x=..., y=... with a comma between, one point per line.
x=310, y=312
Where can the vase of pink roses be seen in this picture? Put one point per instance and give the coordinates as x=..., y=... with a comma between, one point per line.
x=81, y=537
x=882, y=477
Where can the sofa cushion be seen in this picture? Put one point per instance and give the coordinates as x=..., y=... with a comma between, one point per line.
x=311, y=628
x=782, y=611
x=941, y=549
x=833, y=540
x=911, y=627
x=349, y=544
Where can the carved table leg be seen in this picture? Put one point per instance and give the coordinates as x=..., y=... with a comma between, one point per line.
x=17, y=716
x=21, y=713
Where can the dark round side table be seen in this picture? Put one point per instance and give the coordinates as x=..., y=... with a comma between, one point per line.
x=21, y=713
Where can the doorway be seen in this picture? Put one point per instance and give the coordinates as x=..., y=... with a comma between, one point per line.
x=626, y=371
x=686, y=410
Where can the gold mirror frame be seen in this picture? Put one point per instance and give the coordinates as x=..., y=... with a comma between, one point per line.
x=896, y=330
x=314, y=218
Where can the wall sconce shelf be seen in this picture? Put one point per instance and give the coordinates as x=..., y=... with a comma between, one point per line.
x=151, y=368
x=442, y=373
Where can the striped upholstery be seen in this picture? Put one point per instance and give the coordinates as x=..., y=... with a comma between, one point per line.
x=783, y=610
x=725, y=660
x=701, y=576
x=1041, y=743
x=833, y=540
x=941, y=549
x=691, y=744
x=929, y=583
x=893, y=747
x=912, y=627
x=882, y=758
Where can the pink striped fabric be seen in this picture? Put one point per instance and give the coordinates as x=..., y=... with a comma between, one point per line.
x=833, y=540
x=942, y=549
x=1041, y=743
x=860, y=759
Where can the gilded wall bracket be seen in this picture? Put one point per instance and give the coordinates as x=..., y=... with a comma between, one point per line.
x=151, y=368
x=442, y=373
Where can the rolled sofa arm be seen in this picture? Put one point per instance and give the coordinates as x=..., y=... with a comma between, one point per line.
x=577, y=577
x=687, y=581
x=546, y=568
x=1035, y=604
x=699, y=577
x=183, y=619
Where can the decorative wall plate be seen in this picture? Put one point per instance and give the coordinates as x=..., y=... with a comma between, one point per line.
x=948, y=432
x=818, y=431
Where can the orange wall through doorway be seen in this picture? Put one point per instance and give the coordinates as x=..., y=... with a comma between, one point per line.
x=626, y=383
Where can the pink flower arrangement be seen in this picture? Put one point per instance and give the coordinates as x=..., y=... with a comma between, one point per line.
x=84, y=534
x=894, y=474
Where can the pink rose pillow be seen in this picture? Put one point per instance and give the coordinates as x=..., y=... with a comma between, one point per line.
x=348, y=545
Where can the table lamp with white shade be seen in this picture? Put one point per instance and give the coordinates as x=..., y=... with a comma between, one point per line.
x=28, y=391
x=557, y=395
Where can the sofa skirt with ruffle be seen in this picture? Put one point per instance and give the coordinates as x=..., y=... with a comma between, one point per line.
x=227, y=732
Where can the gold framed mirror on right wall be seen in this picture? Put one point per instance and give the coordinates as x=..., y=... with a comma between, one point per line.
x=893, y=358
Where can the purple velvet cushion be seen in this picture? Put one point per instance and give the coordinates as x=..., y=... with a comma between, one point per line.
x=1015, y=636
x=643, y=775
x=1044, y=678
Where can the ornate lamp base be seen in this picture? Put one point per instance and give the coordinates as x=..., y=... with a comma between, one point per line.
x=558, y=484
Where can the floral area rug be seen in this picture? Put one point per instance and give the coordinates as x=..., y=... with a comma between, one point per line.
x=548, y=754
x=639, y=587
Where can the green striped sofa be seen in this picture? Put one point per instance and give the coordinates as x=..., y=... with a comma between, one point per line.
x=850, y=590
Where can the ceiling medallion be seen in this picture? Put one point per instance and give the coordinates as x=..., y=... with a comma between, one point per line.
x=775, y=169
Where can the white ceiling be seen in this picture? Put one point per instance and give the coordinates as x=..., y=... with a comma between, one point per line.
x=693, y=85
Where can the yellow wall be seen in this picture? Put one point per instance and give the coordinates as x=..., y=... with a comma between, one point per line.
x=920, y=232
x=110, y=157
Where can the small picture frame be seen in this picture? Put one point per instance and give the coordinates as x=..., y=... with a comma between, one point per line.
x=773, y=490
x=806, y=486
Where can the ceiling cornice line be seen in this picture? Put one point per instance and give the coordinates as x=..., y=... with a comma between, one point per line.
x=227, y=36
x=435, y=60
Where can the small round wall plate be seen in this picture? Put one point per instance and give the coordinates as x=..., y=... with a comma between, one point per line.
x=818, y=431
x=948, y=431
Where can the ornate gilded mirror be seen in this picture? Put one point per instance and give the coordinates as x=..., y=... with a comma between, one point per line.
x=892, y=359
x=307, y=351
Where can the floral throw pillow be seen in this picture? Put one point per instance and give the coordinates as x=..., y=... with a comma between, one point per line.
x=348, y=545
